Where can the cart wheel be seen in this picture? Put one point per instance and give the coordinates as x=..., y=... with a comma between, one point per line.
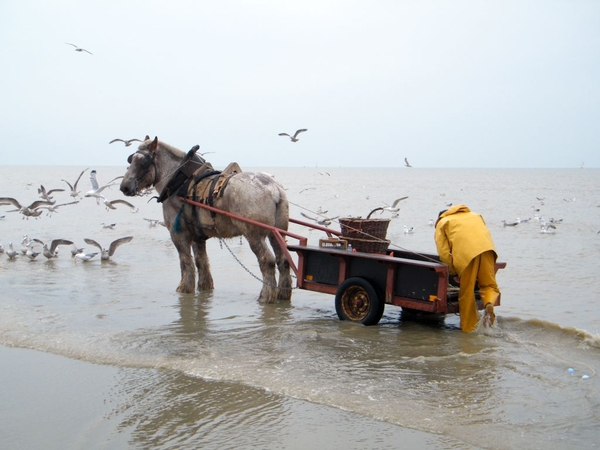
x=357, y=301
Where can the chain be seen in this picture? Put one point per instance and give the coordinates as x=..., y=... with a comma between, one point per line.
x=223, y=242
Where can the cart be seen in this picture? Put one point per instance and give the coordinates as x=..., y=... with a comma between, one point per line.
x=363, y=283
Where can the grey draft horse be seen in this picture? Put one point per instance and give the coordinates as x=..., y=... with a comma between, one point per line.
x=256, y=196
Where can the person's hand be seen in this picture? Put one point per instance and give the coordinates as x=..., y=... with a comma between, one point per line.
x=489, y=317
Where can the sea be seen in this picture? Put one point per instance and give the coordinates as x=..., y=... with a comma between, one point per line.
x=219, y=370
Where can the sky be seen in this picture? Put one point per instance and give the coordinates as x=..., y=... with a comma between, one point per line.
x=445, y=84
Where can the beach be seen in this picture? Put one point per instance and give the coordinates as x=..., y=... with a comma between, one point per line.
x=106, y=354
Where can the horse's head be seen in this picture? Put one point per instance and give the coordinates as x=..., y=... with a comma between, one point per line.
x=142, y=172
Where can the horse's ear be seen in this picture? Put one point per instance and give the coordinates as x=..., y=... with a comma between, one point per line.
x=154, y=144
x=147, y=138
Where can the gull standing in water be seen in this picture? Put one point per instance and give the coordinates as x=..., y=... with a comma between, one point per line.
x=294, y=138
x=107, y=253
x=74, y=192
x=51, y=252
x=11, y=252
x=83, y=256
x=408, y=230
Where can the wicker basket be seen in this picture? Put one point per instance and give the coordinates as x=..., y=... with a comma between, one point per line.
x=369, y=245
x=364, y=228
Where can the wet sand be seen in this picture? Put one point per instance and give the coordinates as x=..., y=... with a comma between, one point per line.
x=54, y=402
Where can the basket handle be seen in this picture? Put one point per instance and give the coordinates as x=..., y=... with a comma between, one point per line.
x=376, y=209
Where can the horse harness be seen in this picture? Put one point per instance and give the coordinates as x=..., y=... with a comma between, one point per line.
x=196, y=179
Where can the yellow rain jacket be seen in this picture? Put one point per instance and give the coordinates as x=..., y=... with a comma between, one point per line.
x=461, y=235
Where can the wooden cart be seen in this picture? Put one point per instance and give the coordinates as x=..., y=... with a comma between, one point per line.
x=363, y=283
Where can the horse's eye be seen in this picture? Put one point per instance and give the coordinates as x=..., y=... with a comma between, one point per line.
x=130, y=158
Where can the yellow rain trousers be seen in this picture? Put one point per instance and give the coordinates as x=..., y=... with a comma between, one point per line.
x=480, y=270
x=465, y=245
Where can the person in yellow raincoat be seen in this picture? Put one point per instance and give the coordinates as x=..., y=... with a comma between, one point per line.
x=465, y=245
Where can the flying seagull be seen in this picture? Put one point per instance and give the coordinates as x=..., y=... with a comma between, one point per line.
x=54, y=208
x=46, y=194
x=326, y=221
x=406, y=163
x=107, y=253
x=96, y=188
x=126, y=142
x=74, y=192
x=394, y=207
x=79, y=49
x=27, y=211
x=110, y=204
x=294, y=138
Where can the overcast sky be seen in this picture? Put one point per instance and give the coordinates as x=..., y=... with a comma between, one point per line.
x=443, y=83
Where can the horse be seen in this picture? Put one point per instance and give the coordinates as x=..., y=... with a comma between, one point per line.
x=256, y=196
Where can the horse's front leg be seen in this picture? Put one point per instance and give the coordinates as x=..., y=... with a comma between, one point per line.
x=205, y=280
x=186, y=262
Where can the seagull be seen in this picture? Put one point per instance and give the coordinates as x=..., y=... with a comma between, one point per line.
x=547, y=229
x=74, y=191
x=307, y=189
x=294, y=138
x=408, y=230
x=108, y=226
x=107, y=253
x=25, y=243
x=324, y=221
x=126, y=142
x=406, y=163
x=31, y=253
x=79, y=49
x=46, y=194
x=75, y=250
x=431, y=222
x=110, y=204
x=393, y=208
x=51, y=252
x=152, y=222
x=96, y=188
x=11, y=252
x=519, y=220
x=83, y=256
x=53, y=208
x=27, y=211
x=1, y=248
x=512, y=224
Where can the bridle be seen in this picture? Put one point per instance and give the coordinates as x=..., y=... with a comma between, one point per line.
x=145, y=165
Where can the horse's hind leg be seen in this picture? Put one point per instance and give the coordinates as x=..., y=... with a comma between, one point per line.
x=284, y=286
x=205, y=280
x=266, y=262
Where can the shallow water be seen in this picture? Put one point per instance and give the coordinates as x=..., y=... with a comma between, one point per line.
x=226, y=362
